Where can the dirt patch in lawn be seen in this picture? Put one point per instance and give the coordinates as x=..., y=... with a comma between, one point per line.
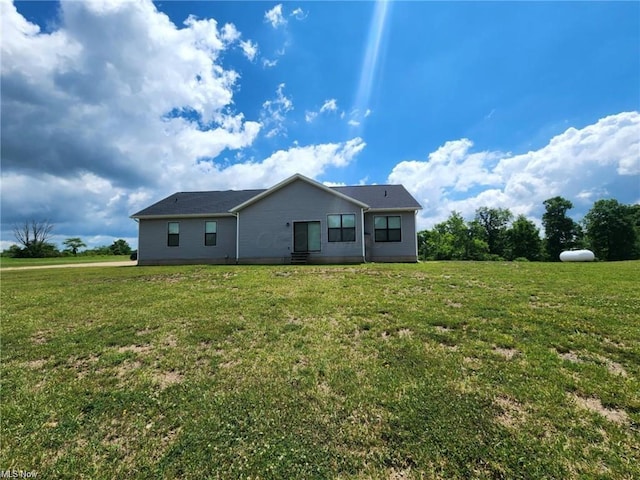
x=507, y=353
x=35, y=364
x=569, y=356
x=40, y=337
x=513, y=413
x=453, y=304
x=595, y=405
x=166, y=379
x=138, y=349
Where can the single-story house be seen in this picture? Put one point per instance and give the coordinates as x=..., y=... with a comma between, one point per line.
x=296, y=221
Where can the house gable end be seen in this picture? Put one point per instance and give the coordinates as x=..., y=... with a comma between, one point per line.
x=290, y=180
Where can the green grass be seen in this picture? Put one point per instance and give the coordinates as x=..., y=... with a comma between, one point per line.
x=6, y=262
x=436, y=370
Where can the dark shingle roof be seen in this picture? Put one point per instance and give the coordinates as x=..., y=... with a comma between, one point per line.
x=198, y=203
x=220, y=202
x=381, y=196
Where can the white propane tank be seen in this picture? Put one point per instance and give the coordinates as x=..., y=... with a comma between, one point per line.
x=577, y=256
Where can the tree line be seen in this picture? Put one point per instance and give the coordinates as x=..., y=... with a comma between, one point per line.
x=610, y=229
x=34, y=241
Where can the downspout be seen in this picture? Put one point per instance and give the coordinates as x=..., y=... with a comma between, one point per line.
x=237, y=215
x=138, y=249
x=415, y=229
x=364, y=253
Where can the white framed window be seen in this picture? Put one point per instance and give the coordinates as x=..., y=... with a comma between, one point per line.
x=387, y=228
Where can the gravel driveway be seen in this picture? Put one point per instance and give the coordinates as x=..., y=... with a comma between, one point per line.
x=128, y=263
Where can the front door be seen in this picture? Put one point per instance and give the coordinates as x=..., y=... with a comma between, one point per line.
x=306, y=236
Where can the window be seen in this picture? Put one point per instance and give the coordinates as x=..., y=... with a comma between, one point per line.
x=387, y=229
x=210, y=230
x=342, y=228
x=173, y=236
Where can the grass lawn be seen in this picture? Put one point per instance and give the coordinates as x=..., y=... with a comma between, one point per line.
x=6, y=262
x=437, y=370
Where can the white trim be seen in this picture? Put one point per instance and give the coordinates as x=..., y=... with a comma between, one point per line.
x=292, y=179
x=398, y=209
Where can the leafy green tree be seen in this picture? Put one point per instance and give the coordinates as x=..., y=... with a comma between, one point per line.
x=611, y=230
x=14, y=251
x=454, y=239
x=524, y=240
x=561, y=231
x=493, y=223
x=73, y=245
x=120, y=247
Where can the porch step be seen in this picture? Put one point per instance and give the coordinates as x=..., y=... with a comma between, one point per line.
x=299, y=258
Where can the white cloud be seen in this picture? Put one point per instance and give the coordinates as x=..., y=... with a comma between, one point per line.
x=311, y=160
x=579, y=164
x=367, y=113
x=329, y=106
x=354, y=123
x=299, y=14
x=274, y=112
x=266, y=63
x=274, y=16
x=249, y=49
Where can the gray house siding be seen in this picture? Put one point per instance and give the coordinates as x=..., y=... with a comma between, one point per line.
x=402, y=251
x=154, y=250
x=267, y=226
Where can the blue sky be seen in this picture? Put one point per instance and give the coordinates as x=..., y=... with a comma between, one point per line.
x=108, y=107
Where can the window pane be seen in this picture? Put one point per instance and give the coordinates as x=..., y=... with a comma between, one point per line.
x=314, y=236
x=174, y=227
x=348, y=221
x=394, y=235
x=333, y=221
x=334, y=235
x=210, y=239
x=173, y=240
x=381, y=235
x=348, y=234
x=394, y=222
x=210, y=227
x=380, y=222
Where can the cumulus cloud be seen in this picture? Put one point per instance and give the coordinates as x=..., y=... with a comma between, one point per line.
x=275, y=17
x=82, y=99
x=579, y=164
x=310, y=160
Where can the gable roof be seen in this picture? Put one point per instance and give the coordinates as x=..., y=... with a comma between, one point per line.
x=219, y=203
x=293, y=178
